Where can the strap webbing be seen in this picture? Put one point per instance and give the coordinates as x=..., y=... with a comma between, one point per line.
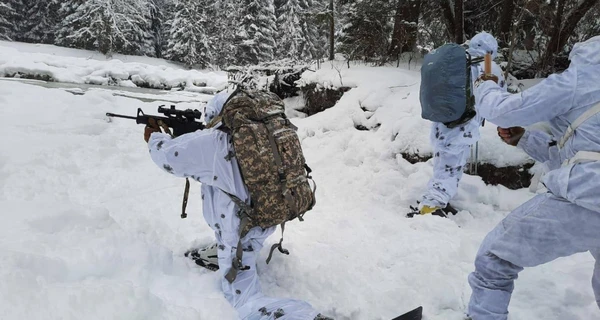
x=236, y=262
x=571, y=128
x=314, y=189
x=282, y=179
x=583, y=156
x=278, y=245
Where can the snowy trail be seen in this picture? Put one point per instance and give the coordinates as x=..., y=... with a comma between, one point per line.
x=90, y=228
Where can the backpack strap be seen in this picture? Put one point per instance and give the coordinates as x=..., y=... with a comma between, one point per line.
x=278, y=245
x=218, y=118
x=583, y=156
x=284, y=191
x=236, y=263
x=573, y=126
x=314, y=189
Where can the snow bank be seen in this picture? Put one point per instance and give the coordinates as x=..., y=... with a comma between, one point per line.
x=58, y=64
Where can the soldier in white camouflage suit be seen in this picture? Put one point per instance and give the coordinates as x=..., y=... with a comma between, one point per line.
x=204, y=156
x=451, y=146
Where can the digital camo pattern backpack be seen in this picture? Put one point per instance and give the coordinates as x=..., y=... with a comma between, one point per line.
x=271, y=161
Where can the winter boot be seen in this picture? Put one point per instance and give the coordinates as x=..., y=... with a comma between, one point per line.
x=205, y=257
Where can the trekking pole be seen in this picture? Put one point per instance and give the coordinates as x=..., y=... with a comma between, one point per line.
x=472, y=160
x=487, y=69
x=476, y=156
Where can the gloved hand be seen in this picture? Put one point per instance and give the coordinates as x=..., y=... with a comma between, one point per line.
x=511, y=135
x=150, y=128
x=484, y=77
x=490, y=76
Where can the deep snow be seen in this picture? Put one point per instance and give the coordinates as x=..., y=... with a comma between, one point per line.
x=90, y=227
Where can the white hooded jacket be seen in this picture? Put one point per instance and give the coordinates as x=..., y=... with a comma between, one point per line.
x=560, y=100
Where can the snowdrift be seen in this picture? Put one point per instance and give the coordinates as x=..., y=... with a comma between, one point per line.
x=52, y=63
x=90, y=227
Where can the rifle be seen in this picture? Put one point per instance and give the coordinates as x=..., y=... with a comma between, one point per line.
x=182, y=121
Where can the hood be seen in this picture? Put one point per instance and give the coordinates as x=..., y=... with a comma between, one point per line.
x=215, y=105
x=483, y=43
x=586, y=53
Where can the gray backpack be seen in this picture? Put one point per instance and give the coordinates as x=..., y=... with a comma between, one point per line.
x=445, y=92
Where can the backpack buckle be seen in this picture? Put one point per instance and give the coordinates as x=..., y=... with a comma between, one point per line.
x=282, y=177
x=238, y=265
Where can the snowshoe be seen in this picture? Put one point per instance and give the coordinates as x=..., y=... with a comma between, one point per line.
x=205, y=257
x=416, y=314
x=322, y=317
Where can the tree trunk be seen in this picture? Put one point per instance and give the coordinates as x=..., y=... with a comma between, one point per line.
x=552, y=47
x=404, y=37
x=448, y=17
x=513, y=39
x=331, y=31
x=573, y=19
x=506, y=20
x=561, y=31
x=459, y=21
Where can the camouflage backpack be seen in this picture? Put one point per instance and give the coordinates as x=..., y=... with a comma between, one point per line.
x=271, y=161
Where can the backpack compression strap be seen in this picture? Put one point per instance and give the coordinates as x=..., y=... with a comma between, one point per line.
x=236, y=263
x=284, y=191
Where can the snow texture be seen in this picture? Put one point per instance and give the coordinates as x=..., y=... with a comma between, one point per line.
x=80, y=66
x=91, y=229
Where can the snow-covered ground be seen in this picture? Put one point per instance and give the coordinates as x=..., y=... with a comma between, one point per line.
x=59, y=64
x=90, y=227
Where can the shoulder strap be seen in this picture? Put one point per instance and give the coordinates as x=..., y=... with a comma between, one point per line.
x=218, y=118
x=573, y=126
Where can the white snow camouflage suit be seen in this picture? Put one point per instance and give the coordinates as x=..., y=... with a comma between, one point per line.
x=451, y=146
x=566, y=219
x=201, y=156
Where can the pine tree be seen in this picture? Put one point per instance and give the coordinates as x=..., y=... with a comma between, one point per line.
x=367, y=29
x=91, y=26
x=6, y=23
x=108, y=26
x=224, y=16
x=11, y=17
x=42, y=20
x=289, y=36
x=157, y=17
x=310, y=30
x=186, y=38
x=133, y=21
x=296, y=30
x=255, y=38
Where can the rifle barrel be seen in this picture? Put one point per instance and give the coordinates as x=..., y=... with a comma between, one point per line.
x=108, y=114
